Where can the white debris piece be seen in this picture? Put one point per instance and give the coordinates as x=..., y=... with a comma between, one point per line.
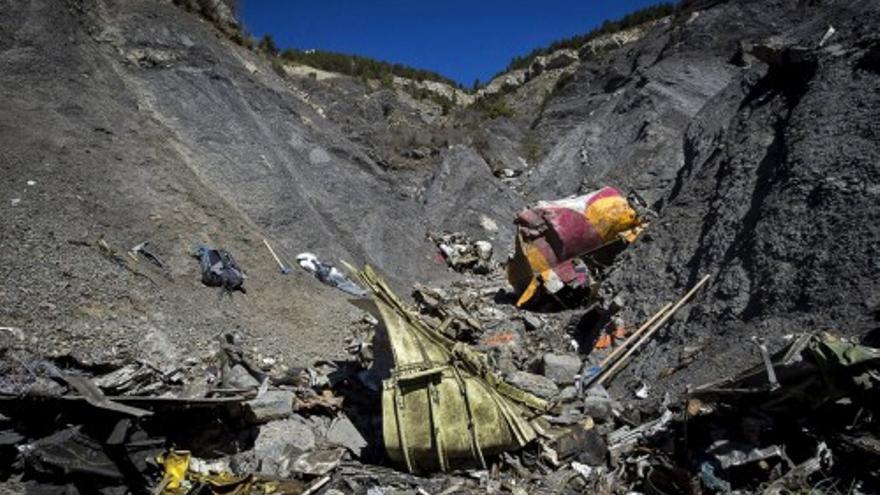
x=329, y=274
x=588, y=472
x=624, y=438
x=828, y=34
x=642, y=392
x=15, y=332
x=484, y=249
x=488, y=224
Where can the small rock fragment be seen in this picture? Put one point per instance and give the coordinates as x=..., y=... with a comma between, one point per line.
x=342, y=432
x=598, y=408
x=534, y=384
x=278, y=443
x=239, y=377
x=532, y=322
x=561, y=368
x=488, y=224
x=274, y=404
x=569, y=415
x=568, y=393
x=318, y=462
x=584, y=444
x=484, y=250
x=598, y=404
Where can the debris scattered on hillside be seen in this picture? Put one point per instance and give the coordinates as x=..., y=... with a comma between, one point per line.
x=486, y=397
x=465, y=386
x=219, y=269
x=332, y=426
x=142, y=250
x=554, y=237
x=126, y=260
x=614, y=362
x=463, y=254
x=828, y=34
x=329, y=274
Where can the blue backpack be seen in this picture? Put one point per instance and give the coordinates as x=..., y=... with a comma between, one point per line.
x=219, y=269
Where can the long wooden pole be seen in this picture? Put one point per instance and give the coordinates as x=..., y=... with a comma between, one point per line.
x=597, y=370
x=634, y=336
x=281, y=266
x=616, y=367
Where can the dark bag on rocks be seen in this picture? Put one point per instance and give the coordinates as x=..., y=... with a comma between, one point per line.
x=219, y=269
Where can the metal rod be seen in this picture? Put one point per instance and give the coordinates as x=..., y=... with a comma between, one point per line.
x=768, y=363
x=317, y=485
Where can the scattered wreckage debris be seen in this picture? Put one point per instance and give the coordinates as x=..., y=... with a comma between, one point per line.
x=523, y=411
x=185, y=437
x=462, y=254
x=329, y=274
x=601, y=374
x=453, y=318
x=554, y=237
x=442, y=407
x=142, y=250
x=789, y=430
x=590, y=374
x=125, y=260
x=322, y=429
x=219, y=269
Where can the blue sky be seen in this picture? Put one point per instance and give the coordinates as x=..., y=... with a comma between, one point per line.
x=462, y=40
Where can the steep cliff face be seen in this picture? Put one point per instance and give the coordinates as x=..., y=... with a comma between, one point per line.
x=140, y=121
x=773, y=191
x=757, y=148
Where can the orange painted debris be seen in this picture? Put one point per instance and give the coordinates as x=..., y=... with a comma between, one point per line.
x=607, y=339
x=499, y=338
x=604, y=342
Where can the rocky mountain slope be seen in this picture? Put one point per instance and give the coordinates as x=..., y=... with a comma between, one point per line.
x=758, y=149
x=137, y=120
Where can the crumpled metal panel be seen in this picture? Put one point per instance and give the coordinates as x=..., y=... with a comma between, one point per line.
x=442, y=408
x=553, y=233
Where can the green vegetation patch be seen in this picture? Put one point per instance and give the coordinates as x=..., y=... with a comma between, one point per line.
x=493, y=106
x=361, y=67
x=628, y=21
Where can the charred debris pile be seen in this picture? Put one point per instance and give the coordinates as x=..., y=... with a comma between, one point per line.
x=493, y=384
